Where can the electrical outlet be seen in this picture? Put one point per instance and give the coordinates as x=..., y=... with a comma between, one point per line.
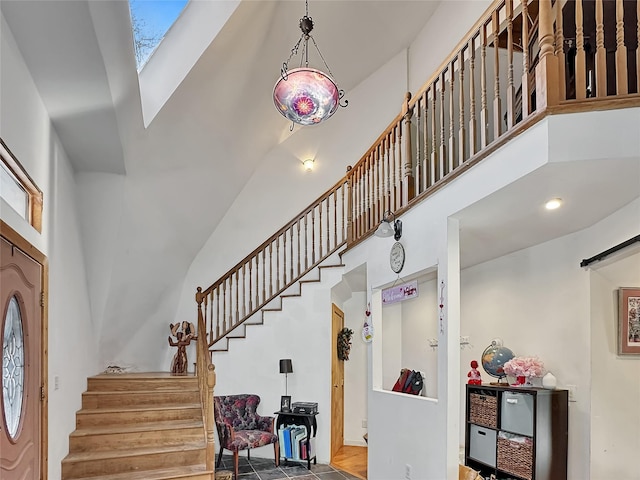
x=407, y=471
x=464, y=340
x=573, y=393
x=56, y=382
x=364, y=423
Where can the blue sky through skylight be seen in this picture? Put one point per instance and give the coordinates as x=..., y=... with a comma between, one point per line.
x=151, y=19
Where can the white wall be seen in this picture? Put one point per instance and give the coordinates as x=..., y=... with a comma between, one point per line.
x=355, y=371
x=298, y=332
x=615, y=380
x=26, y=129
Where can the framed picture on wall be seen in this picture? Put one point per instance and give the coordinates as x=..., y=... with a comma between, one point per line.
x=629, y=321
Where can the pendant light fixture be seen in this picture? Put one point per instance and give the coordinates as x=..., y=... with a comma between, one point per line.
x=305, y=95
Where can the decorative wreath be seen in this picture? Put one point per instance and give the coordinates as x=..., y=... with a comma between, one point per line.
x=344, y=343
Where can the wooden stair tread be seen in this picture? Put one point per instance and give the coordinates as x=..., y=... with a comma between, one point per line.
x=143, y=375
x=133, y=452
x=135, y=408
x=142, y=427
x=160, y=474
x=179, y=389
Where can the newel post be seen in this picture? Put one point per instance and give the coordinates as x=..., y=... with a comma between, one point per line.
x=408, y=187
x=209, y=416
x=547, y=81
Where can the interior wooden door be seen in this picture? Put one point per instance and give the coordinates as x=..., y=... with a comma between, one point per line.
x=337, y=383
x=20, y=335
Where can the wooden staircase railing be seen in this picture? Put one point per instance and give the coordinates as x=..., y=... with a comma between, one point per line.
x=205, y=372
x=523, y=60
x=287, y=256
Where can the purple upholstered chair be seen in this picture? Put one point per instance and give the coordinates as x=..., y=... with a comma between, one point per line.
x=241, y=428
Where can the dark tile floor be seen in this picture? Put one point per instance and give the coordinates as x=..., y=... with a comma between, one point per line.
x=265, y=469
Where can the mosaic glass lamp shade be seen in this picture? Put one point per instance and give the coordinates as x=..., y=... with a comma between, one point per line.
x=306, y=96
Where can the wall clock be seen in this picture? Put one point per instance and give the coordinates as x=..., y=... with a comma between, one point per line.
x=396, y=257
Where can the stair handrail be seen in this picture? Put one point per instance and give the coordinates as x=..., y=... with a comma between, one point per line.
x=311, y=237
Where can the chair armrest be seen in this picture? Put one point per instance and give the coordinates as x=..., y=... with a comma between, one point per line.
x=226, y=434
x=265, y=423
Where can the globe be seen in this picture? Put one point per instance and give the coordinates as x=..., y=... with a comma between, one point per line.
x=494, y=357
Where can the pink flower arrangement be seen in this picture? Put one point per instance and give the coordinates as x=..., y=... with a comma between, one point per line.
x=524, y=367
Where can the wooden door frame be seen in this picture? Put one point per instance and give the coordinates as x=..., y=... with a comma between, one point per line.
x=21, y=243
x=334, y=361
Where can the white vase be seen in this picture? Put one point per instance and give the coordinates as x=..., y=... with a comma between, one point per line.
x=549, y=381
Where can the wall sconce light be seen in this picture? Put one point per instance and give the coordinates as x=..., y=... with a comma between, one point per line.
x=389, y=226
x=286, y=367
x=308, y=164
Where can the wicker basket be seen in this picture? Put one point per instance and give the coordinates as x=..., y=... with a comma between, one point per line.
x=515, y=455
x=483, y=410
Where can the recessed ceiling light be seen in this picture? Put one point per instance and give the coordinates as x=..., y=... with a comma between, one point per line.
x=553, y=204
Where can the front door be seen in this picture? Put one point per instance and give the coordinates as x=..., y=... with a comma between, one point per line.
x=20, y=335
x=337, y=382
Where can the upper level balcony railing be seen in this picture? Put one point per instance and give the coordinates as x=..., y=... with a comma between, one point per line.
x=523, y=60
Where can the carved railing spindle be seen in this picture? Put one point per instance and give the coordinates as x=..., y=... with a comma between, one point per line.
x=350, y=203
x=473, y=144
x=484, y=113
x=425, y=140
x=452, y=115
x=525, y=59
x=418, y=151
x=313, y=236
x=621, y=52
x=270, y=269
x=435, y=171
x=462, y=138
x=291, y=262
x=581, y=63
x=511, y=90
x=497, y=102
x=244, y=305
x=218, y=316
x=442, y=154
x=335, y=219
x=225, y=324
x=237, y=294
x=601, y=54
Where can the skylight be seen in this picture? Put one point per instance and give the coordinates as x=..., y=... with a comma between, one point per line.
x=150, y=21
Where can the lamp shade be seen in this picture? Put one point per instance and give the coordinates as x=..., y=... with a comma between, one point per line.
x=384, y=229
x=306, y=96
x=286, y=365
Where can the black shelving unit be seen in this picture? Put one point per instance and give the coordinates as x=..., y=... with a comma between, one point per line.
x=517, y=433
x=309, y=422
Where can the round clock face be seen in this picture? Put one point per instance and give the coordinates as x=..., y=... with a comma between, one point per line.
x=396, y=257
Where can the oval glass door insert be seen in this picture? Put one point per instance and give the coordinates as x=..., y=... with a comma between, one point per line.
x=12, y=367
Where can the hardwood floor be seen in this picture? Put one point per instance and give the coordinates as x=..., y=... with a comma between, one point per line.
x=352, y=459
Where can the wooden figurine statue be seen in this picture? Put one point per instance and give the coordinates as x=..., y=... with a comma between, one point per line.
x=184, y=337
